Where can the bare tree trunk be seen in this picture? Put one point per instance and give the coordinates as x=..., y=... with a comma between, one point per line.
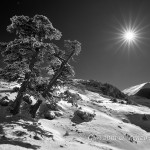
x=34, y=108
x=18, y=100
x=51, y=83
x=57, y=74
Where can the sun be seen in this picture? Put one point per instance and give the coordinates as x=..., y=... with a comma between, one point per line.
x=129, y=36
x=129, y=33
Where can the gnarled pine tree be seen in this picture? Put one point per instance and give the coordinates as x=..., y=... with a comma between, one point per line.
x=32, y=53
x=62, y=73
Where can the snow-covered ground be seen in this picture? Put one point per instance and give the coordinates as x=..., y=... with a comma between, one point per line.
x=115, y=127
x=135, y=89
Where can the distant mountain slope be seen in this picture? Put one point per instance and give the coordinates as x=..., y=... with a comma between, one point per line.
x=101, y=88
x=142, y=90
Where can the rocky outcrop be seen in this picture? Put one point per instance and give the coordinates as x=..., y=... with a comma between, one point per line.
x=84, y=114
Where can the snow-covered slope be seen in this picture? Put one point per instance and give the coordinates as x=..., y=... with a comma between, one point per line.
x=116, y=126
x=140, y=94
x=134, y=90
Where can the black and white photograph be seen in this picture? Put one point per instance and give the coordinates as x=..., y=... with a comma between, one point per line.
x=75, y=75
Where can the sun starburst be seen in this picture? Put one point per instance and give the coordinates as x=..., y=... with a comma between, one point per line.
x=129, y=33
x=129, y=36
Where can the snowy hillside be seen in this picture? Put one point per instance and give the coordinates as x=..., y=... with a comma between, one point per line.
x=139, y=93
x=140, y=90
x=116, y=125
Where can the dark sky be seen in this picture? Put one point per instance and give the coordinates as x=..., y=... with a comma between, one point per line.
x=95, y=24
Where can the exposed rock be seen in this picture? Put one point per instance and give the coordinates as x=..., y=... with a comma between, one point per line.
x=61, y=146
x=46, y=108
x=58, y=113
x=120, y=127
x=84, y=114
x=66, y=134
x=50, y=115
x=114, y=100
x=20, y=133
x=52, y=106
x=43, y=109
x=36, y=137
x=125, y=120
x=4, y=101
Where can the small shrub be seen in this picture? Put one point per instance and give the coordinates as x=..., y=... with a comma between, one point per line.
x=128, y=100
x=122, y=102
x=15, y=89
x=145, y=118
x=114, y=100
x=105, y=89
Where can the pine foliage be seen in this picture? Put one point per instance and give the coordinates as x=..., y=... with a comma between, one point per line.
x=33, y=55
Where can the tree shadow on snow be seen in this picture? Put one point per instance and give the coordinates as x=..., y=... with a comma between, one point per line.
x=30, y=127
x=5, y=140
